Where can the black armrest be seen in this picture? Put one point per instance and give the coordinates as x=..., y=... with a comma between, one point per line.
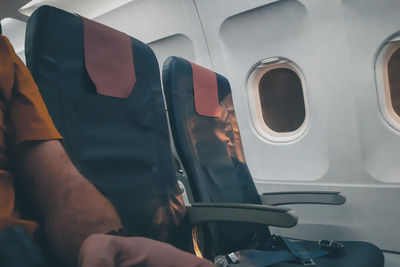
x=303, y=197
x=274, y=216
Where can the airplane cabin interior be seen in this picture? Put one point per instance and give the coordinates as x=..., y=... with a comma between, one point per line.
x=255, y=133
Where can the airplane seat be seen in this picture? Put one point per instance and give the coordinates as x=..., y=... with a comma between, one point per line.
x=207, y=139
x=102, y=88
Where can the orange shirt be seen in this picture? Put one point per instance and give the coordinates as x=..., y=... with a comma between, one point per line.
x=23, y=117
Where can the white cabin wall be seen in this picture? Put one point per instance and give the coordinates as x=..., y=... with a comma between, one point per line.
x=348, y=146
x=252, y=35
x=15, y=31
x=374, y=23
x=171, y=28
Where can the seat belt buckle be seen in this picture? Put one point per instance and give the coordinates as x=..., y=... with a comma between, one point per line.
x=233, y=258
x=308, y=262
x=330, y=244
x=221, y=261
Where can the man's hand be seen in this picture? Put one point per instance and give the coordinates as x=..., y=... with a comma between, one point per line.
x=102, y=250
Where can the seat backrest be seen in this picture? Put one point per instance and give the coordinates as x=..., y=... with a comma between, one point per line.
x=210, y=148
x=115, y=132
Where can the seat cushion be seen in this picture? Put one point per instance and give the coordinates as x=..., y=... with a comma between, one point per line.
x=354, y=254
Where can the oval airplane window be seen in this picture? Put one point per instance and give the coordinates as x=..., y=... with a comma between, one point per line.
x=388, y=81
x=282, y=100
x=278, y=103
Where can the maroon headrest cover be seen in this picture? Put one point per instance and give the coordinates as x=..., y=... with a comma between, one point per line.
x=205, y=91
x=108, y=59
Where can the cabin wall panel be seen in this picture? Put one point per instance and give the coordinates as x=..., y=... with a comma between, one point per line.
x=170, y=45
x=334, y=46
x=171, y=28
x=263, y=39
x=370, y=23
x=348, y=146
x=301, y=32
x=14, y=30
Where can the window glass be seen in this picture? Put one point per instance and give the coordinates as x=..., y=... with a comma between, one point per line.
x=394, y=80
x=282, y=100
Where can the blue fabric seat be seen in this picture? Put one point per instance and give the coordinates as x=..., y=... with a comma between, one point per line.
x=211, y=153
x=120, y=144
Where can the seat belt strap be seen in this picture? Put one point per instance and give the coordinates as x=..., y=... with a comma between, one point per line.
x=306, y=257
x=263, y=258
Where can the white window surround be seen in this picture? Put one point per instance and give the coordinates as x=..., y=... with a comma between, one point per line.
x=253, y=81
x=382, y=82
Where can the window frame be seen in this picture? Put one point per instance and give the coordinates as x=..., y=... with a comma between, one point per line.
x=385, y=53
x=254, y=101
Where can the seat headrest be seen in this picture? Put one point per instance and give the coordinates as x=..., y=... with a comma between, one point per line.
x=108, y=59
x=205, y=91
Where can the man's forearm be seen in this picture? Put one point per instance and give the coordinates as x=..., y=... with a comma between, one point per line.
x=70, y=207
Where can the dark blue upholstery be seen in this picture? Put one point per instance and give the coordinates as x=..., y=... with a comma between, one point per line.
x=121, y=145
x=213, y=159
x=211, y=152
x=18, y=249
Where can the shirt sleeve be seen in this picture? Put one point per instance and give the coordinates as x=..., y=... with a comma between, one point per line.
x=28, y=115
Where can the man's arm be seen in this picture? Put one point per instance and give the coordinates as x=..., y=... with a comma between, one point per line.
x=117, y=251
x=74, y=211
x=71, y=208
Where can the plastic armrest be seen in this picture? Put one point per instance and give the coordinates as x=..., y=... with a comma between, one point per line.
x=303, y=197
x=234, y=212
